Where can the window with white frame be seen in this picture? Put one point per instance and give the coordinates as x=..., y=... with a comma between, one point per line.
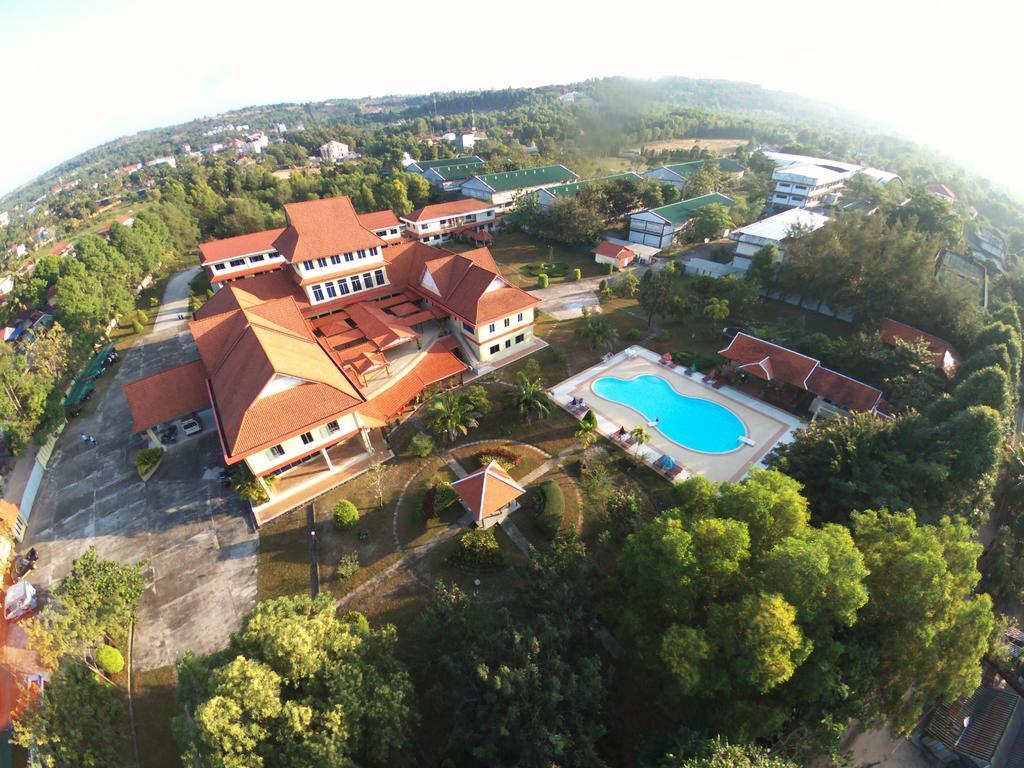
x=219, y=267
x=520, y=318
x=368, y=280
x=307, y=438
x=331, y=427
x=335, y=259
x=307, y=265
x=508, y=321
x=356, y=285
x=490, y=328
x=256, y=259
x=350, y=257
x=343, y=286
x=331, y=290
x=321, y=262
x=318, y=293
x=238, y=262
x=276, y=451
x=379, y=276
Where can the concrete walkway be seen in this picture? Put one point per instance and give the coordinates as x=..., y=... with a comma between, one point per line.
x=175, y=302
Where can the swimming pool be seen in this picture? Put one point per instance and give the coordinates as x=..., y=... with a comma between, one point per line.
x=693, y=422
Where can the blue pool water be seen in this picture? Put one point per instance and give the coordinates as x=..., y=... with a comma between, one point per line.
x=693, y=422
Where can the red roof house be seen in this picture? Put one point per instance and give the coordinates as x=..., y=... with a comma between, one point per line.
x=946, y=358
x=774, y=363
x=612, y=253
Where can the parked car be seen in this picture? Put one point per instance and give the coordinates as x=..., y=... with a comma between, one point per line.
x=192, y=426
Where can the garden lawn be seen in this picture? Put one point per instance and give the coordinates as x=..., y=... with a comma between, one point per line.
x=524, y=516
x=497, y=584
x=514, y=251
x=155, y=705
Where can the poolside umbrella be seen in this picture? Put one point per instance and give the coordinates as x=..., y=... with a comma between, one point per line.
x=667, y=462
x=693, y=367
x=667, y=357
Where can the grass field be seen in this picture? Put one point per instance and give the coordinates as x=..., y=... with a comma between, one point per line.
x=154, y=707
x=514, y=250
x=718, y=146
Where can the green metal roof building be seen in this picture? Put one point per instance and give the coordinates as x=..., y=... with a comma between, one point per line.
x=547, y=194
x=684, y=210
x=501, y=189
x=423, y=165
x=658, y=227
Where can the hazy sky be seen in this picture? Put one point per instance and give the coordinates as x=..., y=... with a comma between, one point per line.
x=76, y=74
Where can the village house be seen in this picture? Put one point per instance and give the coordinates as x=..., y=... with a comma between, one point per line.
x=946, y=357
x=619, y=256
x=327, y=340
x=441, y=222
x=658, y=227
x=678, y=174
x=334, y=151
x=793, y=373
x=942, y=191
x=802, y=181
x=774, y=230
x=450, y=176
x=547, y=195
x=503, y=189
x=384, y=224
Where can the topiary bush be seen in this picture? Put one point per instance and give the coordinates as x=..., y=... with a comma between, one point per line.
x=421, y=445
x=148, y=458
x=633, y=334
x=345, y=514
x=542, y=280
x=109, y=659
x=348, y=566
x=445, y=496
x=137, y=327
x=550, y=508
x=577, y=274
x=477, y=550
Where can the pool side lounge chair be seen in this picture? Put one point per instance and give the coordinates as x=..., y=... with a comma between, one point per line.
x=629, y=441
x=673, y=473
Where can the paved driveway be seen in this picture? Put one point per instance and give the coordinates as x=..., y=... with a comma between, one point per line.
x=195, y=535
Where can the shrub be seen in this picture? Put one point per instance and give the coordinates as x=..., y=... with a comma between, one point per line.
x=550, y=508
x=109, y=659
x=154, y=302
x=249, y=488
x=577, y=274
x=348, y=566
x=550, y=268
x=609, y=268
x=421, y=445
x=427, y=508
x=633, y=334
x=345, y=514
x=542, y=280
x=137, y=327
x=148, y=458
x=506, y=459
x=478, y=549
x=444, y=495
x=558, y=354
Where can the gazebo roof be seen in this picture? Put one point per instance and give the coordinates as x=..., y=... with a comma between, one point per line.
x=487, y=490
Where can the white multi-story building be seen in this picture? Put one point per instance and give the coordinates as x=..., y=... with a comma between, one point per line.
x=774, y=230
x=441, y=222
x=334, y=151
x=802, y=181
x=255, y=143
x=5, y=218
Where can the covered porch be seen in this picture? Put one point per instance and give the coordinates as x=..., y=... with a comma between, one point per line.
x=322, y=471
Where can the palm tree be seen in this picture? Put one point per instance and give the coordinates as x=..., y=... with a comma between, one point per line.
x=529, y=397
x=599, y=331
x=640, y=436
x=586, y=433
x=450, y=414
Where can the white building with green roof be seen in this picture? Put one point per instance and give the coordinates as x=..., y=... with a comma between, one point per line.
x=503, y=189
x=678, y=174
x=547, y=195
x=658, y=227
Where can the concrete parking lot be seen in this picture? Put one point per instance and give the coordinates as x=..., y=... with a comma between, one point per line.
x=194, y=535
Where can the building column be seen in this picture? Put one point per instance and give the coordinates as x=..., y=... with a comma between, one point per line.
x=327, y=458
x=365, y=435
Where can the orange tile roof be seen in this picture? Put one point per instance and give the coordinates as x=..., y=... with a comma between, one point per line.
x=243, y=245
x=384, y=330
x=321, y=228
x=771, y=362
x=487, y=490
x=379, y=219
x=252, y=291
x=437, y=365
x=167, y=395
x=441, y=210
x=890, y=330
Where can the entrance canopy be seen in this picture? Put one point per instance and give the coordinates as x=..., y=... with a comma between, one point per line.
x=167, y=395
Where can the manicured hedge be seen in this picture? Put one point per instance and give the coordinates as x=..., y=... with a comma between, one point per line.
x=550, y=268
x=550, y=508
x=478, y=549
x=109, y=659
x=345, y=514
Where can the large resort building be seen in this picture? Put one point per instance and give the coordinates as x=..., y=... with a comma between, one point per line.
x=320, y=335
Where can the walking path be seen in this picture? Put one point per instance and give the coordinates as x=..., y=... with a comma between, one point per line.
x=175, y=302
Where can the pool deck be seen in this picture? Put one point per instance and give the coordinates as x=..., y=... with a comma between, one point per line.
x=766, y=425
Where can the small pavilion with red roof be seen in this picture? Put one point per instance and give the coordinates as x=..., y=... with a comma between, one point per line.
x=489, y=494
